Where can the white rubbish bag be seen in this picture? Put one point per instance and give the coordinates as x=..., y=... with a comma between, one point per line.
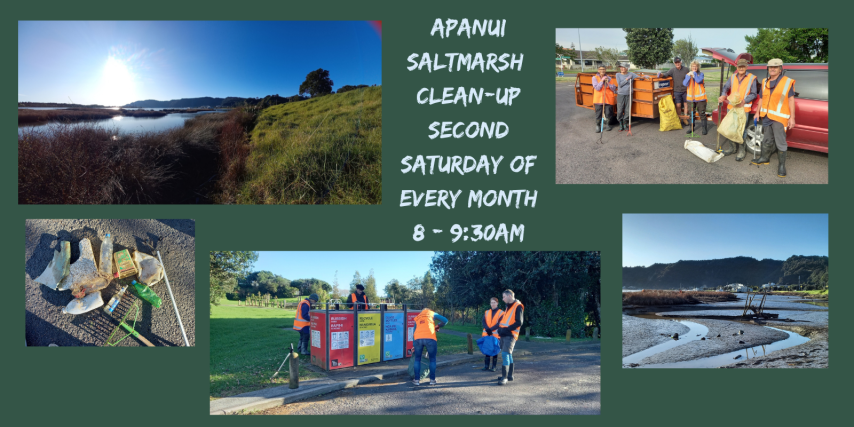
x=702, y=151
x=85, y=304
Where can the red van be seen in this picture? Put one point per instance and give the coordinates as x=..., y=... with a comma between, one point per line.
x=810, y=131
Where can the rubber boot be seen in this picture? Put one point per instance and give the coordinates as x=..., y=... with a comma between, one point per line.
x=765, y=153
x=690, y=129
x=486, y=364
x=781, y=172
x=502, y=380
x=510, y=373
x=598, y=127
x=739, y=155
x=622, y=125
x=705, y=128
x=608, y=126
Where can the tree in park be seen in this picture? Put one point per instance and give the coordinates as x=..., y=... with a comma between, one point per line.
x=767, y=44
x=686, y=49
x=649, y=47
x=317, y=83
x=802, y=45
x=608, y=56
x=226, y=267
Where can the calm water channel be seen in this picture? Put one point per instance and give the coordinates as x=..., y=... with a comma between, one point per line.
x=133, y=124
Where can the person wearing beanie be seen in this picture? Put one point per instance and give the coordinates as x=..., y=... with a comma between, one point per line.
x=302, y=323
x=358, y=298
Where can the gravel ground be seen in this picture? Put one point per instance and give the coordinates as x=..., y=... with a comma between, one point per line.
x=714, y=345
x=561, y=383
x=640, y=334
x=654, y=157
x=812, y=354
x=175, y=239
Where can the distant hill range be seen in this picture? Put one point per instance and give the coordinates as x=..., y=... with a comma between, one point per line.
x=719, y=272
x=56, y=105
x=231, y=101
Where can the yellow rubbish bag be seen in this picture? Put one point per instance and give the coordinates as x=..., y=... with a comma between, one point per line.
x=669, y=117
x=732, y=126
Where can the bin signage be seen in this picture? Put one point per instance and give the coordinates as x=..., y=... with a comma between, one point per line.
x=369, y=334
x=410, y=332
x=393, y=336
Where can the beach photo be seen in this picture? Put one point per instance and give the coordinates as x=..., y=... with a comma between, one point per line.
x=701, y=297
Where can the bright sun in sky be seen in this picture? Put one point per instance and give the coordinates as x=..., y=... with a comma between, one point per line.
x=117, y=83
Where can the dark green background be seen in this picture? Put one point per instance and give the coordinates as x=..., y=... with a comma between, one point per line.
x=169, y=385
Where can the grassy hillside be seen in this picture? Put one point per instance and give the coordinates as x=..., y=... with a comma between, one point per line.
x=323, y=150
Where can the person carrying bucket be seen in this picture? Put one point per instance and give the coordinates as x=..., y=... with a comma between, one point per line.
x=695, y=96
x=490, y=327
x=426, y=324
x=302, y=323
x=777, y=111
x=508, y=330
x=743, y=85
x=624, y=87
x=604, y=99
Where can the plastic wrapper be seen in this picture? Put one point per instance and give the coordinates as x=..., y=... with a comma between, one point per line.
x=83, y=274
x=58, y=267
x=150, y=270
x=85, y=304
x=702, y=151
x=147, y=294
x=669, y=116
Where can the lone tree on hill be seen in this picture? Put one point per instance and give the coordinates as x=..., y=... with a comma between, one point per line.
x=649, y=47
x=317, y=83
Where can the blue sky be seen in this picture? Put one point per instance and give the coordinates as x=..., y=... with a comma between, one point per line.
x=117, y=62
x=591, y=38
x=402, y=265
x=666, y=238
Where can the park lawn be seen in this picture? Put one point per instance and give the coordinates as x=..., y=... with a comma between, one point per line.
x=247, y=346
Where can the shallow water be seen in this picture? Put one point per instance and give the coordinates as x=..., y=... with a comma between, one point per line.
x=729, y=358
x=691, y=335
x=123, y=124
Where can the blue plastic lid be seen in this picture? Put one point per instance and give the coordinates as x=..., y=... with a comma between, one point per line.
x=108, y=234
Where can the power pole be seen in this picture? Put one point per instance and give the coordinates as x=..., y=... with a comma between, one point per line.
x=580, y=52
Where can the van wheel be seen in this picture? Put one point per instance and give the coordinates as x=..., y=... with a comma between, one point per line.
x=753, y=143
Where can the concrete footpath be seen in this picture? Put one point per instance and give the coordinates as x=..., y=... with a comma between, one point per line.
x=351, y=377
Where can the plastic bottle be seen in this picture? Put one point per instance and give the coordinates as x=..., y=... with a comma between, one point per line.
x=115, y=300
x=106, y=262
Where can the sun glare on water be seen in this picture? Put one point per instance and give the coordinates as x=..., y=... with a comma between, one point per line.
x=117, y=83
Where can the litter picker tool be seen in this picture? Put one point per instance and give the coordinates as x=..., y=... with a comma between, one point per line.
x=283, y=363
x=631, y=91
x=130, y=328
x=172, y=297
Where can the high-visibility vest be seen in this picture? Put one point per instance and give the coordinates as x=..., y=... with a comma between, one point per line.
x=491, y=321
x=355, y=300
x=424, y=326
x=742, y=89
x=696, y=91
x=605, y=93
x=509, y=318
x=299, y=322
x=776, y=105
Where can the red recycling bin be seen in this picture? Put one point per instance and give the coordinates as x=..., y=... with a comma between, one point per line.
x=336, y=350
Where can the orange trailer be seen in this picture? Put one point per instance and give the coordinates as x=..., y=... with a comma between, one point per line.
x=647, y=93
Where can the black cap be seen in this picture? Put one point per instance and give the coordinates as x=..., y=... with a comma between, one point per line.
x=677, y=59
x=360, y=287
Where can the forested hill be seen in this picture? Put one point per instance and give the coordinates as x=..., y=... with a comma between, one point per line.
x=718, y=272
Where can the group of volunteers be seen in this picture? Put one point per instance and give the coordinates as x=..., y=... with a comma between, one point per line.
x=502, y=324
x=776, y=98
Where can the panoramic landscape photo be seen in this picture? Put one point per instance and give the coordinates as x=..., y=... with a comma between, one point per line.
x=199, y=112
x=697, y=296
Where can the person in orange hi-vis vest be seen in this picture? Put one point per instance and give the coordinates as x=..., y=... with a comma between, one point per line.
x=426, y=324
x=358, y=298
x=302, y=323
x=695, y=97
x=777, y=110
x=490, y=327
x=743, y=85
x=508, y=330
x=604, y=96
